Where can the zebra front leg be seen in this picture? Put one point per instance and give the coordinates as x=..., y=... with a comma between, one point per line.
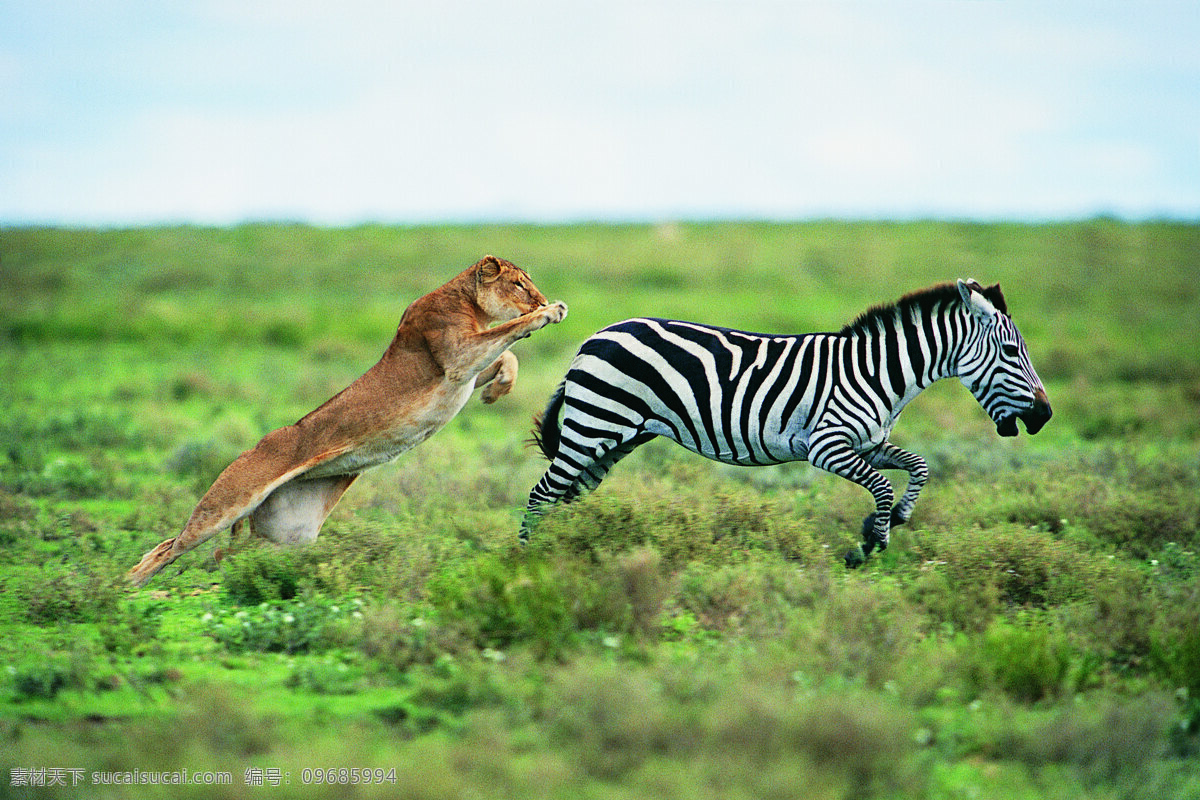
x=836, y=456
x=889, y=456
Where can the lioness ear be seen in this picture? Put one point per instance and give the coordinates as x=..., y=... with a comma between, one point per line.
x=972, y=296
x=488, y=269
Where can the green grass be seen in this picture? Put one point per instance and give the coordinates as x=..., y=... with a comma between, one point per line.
x=688, y=630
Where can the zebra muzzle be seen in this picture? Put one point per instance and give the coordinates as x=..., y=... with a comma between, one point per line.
x=1037, y=416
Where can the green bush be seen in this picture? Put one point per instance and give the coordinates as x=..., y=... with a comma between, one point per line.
x=761, y=596
x=42, y=680
x=1120, y=620
x=499, y=602
x=325, y=677
x=970, y=575
x=397, y=635
x=1029, y=662
x=295, y=626
x=55, y=593
x=698, y=520
x=42, y=676
x=441, y=694
x=200, y=462
x=1175, y=639
x=1143, y=522
x=1136, y=504
x=623, y=724
x=1113, y=741
x=262, y=573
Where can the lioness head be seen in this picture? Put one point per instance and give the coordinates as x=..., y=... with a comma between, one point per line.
x=504, y=291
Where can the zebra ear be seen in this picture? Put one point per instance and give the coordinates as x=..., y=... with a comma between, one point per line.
x=972, y=296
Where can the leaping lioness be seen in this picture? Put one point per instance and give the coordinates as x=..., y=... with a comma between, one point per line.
x=444, y=348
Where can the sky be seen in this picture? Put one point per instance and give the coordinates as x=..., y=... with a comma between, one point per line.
x=217, y=112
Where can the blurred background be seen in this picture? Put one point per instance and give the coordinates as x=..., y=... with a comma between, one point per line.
x=219, y=112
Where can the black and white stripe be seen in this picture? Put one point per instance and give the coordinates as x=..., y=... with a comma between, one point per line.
x=754, y=399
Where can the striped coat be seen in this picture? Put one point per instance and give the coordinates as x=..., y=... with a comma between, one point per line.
x=755, y=399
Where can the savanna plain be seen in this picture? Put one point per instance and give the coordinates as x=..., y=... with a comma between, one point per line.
x=688, y=630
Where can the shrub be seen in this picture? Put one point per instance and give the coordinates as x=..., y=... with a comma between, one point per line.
x=44, y=675
x=970, y=575
x=499, y=602
x=1029, y=662
x=961, y=606
x=325, y=677
x=1120, y=620
x=615, y=719
x=441, y=694
x=390, y=557
x=856, y=737
x=682, y=523
x=261, y=574
x=846, y=626
x=642, y=587
x=399, y=635
x=40, y=681
x=1110, y=740
x=624, y=724
x=1139, y=507
x=56, y=593
x=297, y=626
x=759, y=596
x=200, y=462
x=1142, y=522
x=1175, y=639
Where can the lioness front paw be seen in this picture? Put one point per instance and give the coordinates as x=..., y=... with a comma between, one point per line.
x=555, y=312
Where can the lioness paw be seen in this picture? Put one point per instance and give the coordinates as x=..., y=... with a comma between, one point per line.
x=556, y=312
x=495, y=390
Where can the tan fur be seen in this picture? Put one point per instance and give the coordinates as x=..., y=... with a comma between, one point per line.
x=447, y=344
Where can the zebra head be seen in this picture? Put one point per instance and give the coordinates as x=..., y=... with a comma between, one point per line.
x=995, y=365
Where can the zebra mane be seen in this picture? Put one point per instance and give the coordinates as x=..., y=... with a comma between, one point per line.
x=923, y=301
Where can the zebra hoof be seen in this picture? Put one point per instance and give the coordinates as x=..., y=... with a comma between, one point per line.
x=868, y=525
x=855, y=557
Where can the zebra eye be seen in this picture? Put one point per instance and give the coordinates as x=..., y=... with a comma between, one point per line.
x=1011, y=350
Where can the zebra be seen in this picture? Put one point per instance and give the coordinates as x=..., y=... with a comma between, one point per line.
x=755, y=399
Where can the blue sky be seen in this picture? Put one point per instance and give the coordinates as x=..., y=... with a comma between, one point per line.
x=221, y=111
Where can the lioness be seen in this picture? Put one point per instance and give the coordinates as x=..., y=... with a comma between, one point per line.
x=444, y=348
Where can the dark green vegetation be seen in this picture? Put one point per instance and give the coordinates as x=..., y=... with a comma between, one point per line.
x=688, y=631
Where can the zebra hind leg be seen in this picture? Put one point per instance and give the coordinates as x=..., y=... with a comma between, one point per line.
x=566, y=480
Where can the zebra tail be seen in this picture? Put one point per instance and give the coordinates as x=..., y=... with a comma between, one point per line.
x=545, y=425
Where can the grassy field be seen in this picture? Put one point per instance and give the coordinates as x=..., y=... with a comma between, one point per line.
x=687, y=631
